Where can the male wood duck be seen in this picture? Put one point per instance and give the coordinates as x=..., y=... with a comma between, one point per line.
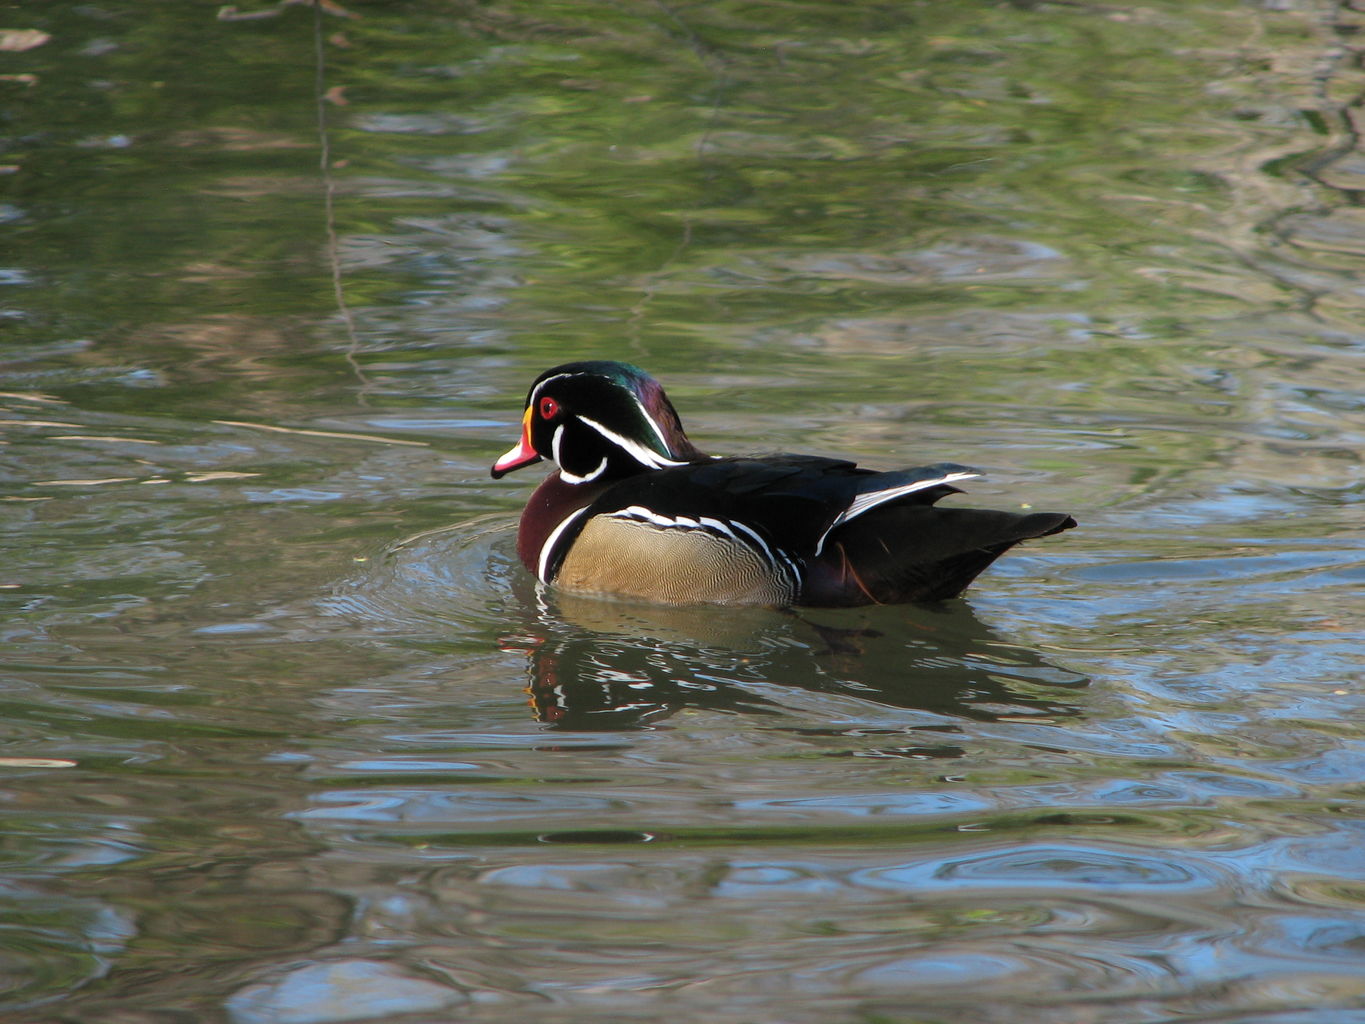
x=635, y=510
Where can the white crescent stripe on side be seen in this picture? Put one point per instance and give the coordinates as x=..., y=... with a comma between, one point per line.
x=755, y=538
x=640, y=512
x=775, y=557
x=546, y=549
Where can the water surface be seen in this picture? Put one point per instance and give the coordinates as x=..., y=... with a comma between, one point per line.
x=289, y=735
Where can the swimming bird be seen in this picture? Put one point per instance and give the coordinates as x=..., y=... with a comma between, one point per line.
x=635, y=510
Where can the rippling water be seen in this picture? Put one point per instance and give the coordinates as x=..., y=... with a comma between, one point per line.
x=290, y=737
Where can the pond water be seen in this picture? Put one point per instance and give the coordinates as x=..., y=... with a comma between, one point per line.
x=289, y=736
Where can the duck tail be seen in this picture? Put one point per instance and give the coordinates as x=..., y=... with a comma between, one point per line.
x=918, y=552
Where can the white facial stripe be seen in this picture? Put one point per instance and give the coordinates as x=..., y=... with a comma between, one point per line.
x=658, y=430
x=871, y=499
x=646, y=457
x=564, y=474
x=573, y=478
x=531, y=400
x=641, y=454
x=546, y=549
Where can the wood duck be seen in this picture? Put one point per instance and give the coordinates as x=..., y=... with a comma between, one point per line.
x=635, y=510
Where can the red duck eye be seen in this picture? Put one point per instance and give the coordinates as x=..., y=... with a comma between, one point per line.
x=549, y=408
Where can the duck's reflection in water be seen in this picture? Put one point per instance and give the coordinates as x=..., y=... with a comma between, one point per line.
x=611, y=665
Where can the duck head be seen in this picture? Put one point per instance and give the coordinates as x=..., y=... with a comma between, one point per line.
x=598, y=421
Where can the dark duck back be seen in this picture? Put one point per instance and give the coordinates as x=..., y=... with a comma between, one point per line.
x=635, y=510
